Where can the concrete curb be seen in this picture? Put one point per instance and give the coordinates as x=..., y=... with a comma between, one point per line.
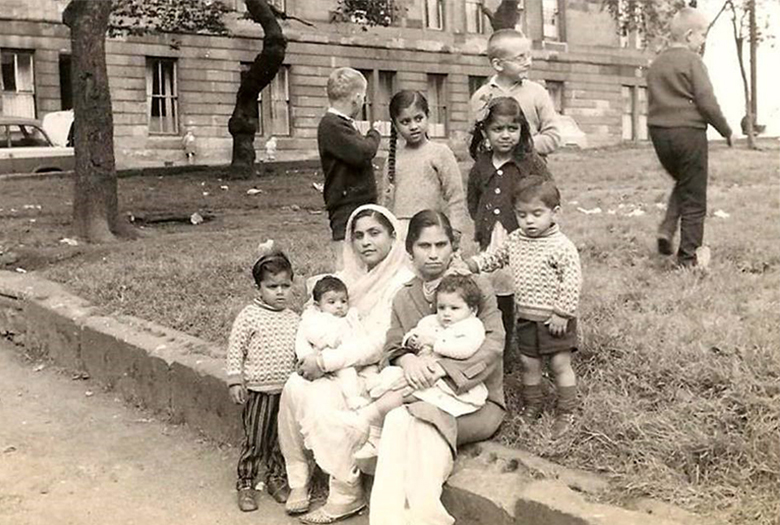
x=181, y=377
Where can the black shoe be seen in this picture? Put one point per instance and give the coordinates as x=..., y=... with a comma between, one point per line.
x=246, y=500
x=665, y=246
x=531, y=413
x=564, y=422
x=278, y=489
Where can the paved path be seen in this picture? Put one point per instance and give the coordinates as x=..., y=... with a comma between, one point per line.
x=71, y=454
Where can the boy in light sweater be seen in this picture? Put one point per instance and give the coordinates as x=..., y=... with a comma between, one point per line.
x=681, y=103
x=509, y=52
x=545, y=268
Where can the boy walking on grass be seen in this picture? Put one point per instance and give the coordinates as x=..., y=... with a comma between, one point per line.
x=681, y=103
x=346, y=154
x=509, y=52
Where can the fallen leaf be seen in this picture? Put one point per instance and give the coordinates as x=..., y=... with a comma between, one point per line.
x=635, y=213
x=39, y=368
x=591, y=211
x=722, y=214
x=196, y=218
x=74, y=242
x=254, y=191
x=223, y=187
x=21, y=270
x=89, y=393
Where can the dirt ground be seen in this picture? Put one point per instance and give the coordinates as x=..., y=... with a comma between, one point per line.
x=73, y=455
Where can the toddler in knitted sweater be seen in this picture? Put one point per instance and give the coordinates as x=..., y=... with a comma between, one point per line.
x=260, y=359
x=545, y=269
x=325, y=324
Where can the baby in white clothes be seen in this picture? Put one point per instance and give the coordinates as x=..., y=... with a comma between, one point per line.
x=326, y=323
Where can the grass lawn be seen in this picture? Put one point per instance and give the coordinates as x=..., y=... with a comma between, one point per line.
x=679, y=371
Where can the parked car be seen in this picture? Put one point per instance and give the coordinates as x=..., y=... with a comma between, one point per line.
x=26, y=148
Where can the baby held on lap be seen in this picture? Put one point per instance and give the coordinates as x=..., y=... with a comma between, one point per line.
x=454, y=332
x=326, y=323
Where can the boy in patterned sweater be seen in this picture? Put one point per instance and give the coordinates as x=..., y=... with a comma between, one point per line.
x=545, y=268
x=260, y=358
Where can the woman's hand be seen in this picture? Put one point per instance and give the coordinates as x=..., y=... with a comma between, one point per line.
x=417, y=371
x=309, y=369
x=238, y=394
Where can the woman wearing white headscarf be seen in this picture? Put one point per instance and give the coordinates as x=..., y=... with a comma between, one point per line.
x=375, y=268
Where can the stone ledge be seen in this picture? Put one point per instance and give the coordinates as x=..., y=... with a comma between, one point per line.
x=180, y=376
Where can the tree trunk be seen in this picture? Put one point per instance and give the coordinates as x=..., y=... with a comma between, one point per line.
x=243, y=123
x=753, y=61
x=95, y=215
x=747, y=121
x=506, y=15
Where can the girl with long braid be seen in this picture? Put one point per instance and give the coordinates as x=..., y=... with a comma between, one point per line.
x=420, y=174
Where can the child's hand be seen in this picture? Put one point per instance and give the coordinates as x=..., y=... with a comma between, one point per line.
x=424, y=340
x=413, y=343
x=557, y=325
x=238, y=394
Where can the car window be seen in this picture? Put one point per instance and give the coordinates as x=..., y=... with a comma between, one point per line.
x=3, y=136
x=27, y=136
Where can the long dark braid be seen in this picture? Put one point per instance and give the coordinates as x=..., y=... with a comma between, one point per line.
x=391, y=155
x=400, y=101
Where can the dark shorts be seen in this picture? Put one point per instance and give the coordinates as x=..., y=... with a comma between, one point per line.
x=533, y=338
x=338, y=220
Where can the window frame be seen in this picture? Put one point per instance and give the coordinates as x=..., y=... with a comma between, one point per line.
x=21, y=96
x=438, y=102
x=170, y=102
x=559, y=17
x=481, y=23
x=441, y=15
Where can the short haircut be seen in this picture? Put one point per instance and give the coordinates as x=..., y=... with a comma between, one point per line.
x=343, y=82
x=464, y=286
x=536, y=187
x=500, y=41
x=684, y=20
x=329, y=283
x=271, y=264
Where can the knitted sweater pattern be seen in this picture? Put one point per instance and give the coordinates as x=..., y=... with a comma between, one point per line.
x=261, y=348
x=346, y=157
x=680, y=95
x=545, y=271
x=428, y=177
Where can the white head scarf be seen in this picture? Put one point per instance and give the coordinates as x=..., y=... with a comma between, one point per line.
x=377, y=287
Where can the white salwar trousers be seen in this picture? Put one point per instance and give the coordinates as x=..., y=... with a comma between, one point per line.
x=304, y=401
x=413, y=464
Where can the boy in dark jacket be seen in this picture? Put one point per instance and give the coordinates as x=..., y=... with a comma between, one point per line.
x=345, y=153
x=681, y=103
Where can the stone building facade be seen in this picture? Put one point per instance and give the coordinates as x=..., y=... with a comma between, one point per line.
x=163, y=85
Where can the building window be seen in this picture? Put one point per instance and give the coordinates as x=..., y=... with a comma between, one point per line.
x=434, y=14
x=17, y=83
x=162, y=96
x=273, y=117
x=476, y=82
x=66, y=83
x=279, y=95
x=552, y=16
x=380, y=89
x=244, y=69
x=634, y=113
x=555, y=89
x=437, y=102
x=476, y=21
